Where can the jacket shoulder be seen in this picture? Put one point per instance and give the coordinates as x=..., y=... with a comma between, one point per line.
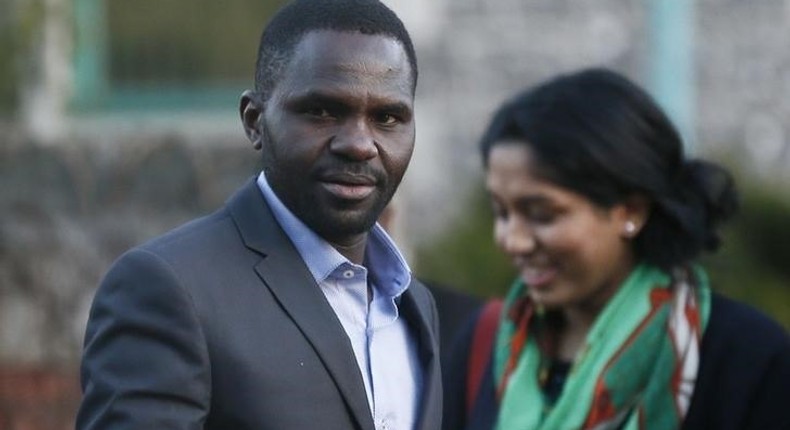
x=744, y=372
x=191, y=233
x=739, y=326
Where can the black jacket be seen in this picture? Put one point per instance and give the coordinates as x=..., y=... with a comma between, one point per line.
x=743, y=381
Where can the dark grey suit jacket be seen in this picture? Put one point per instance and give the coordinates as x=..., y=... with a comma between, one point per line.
x=220, y=325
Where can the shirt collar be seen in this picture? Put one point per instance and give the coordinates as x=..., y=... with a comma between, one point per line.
x=388, y=270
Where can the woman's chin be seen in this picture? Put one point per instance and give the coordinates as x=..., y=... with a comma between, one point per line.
x=544, y=299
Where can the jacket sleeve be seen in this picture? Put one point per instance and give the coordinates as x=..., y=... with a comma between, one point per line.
x=744, y=374
x=145, y=363
x=768, y=408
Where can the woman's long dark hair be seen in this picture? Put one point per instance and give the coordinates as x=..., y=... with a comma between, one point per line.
x=596, y=133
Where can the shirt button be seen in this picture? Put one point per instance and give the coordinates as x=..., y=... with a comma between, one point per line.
x=348, y=274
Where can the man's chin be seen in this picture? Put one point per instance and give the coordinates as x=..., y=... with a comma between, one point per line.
x=338, y=220
x=342, y=225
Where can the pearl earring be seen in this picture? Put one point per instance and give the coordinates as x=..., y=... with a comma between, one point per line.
x=630, y=228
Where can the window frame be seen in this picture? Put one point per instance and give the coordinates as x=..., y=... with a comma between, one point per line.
x=94, y=91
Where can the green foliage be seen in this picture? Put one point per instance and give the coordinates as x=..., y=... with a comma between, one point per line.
x=751, y=266
x=763, y=226
x=465, y=257
x=20, y=22
x=8, y=77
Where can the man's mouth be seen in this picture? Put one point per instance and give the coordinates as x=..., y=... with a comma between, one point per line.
x=348, y=186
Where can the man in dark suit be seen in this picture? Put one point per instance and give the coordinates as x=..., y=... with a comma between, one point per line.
x=289, y=308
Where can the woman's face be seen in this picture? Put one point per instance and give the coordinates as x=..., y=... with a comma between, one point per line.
x=569, y=252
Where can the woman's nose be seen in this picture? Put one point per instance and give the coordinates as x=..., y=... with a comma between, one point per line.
x=515, y=236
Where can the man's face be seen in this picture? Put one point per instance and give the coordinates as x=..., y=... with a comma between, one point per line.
x=338, y=131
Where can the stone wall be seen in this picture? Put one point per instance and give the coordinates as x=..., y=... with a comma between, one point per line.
x=67, y=212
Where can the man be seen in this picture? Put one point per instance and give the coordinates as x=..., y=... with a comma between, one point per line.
x=288, y=308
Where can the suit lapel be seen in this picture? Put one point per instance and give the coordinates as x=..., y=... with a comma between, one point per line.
x=283, y=271
x=419, y=323
x=415, y=309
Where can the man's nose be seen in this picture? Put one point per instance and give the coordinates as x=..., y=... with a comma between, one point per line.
x=355, y=140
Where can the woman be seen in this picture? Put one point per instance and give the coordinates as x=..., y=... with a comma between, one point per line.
x=611, y=324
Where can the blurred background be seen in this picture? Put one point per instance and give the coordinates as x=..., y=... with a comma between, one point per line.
x=118, y=121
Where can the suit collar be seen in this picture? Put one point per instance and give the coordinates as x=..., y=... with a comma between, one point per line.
x=418, y=321
x=253, y=218
x=416, y=308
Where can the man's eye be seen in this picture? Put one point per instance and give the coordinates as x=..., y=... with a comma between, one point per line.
x=318, y=112
x=386, y=119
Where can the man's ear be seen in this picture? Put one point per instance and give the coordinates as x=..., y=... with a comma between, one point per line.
x=250, y=110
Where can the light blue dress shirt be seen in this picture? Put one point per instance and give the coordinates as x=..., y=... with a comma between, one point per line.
x=385, y=349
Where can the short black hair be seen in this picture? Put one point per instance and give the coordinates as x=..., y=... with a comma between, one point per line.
x=291, y=23
x=598, y=134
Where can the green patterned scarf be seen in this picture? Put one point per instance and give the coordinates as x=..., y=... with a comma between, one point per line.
x=636, y=370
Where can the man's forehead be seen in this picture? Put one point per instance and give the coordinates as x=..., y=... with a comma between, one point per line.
x=334, y=56
x=349, y=50
x=329, y=34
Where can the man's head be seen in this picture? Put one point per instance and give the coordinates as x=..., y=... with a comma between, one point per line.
x=287, y=28
x=336, y=122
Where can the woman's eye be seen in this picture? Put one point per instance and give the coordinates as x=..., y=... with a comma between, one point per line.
x=498, y=212
x=542, y=216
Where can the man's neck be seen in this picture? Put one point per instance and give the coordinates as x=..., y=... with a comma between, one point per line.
x=353, y=250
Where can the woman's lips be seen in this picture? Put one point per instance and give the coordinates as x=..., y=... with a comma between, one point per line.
x=538, y=277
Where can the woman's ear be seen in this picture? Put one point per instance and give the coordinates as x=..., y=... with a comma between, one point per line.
x=250, y=110
x=633, y=213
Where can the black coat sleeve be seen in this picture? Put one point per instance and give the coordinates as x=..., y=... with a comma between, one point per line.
x=744, y=375
x=145, y=363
